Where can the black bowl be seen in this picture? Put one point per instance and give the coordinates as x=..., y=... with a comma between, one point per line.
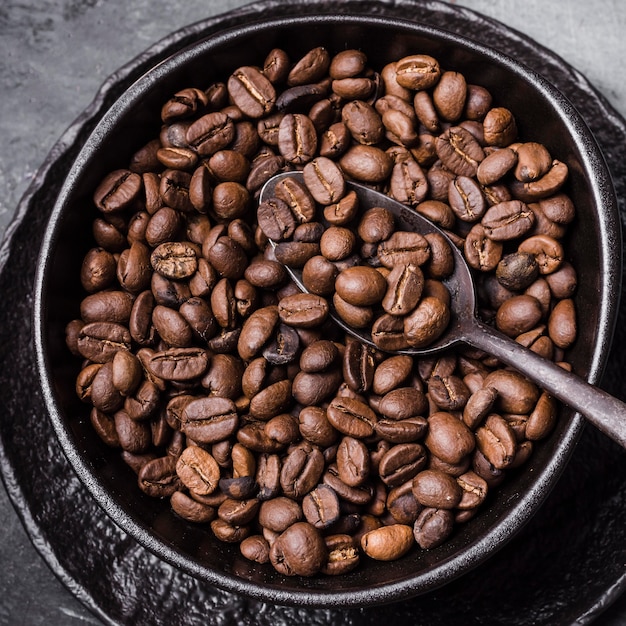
x=595, y=247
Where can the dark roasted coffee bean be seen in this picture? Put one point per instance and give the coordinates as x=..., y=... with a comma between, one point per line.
x=274, y=399
x=433, y=527
x=98, y=270
x=251, y=91
x=297, y=138
x=117, y=191
x=321, y=507
x=158, y=477
x=459, y=151
x=301, y=470
x=562, y=325
x=299, y=551
x=496, y=440
x=448, y=437
x=352, y=417
x=198, y=470
x=298, y=199
x=401, y=463
x=99, y=341
x=358, y=366
x=353, y=461
x=209, y=419
x=284, y=347
x=134, y=436
x=436, y=489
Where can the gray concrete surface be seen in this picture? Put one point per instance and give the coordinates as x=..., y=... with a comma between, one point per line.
x=54, y=54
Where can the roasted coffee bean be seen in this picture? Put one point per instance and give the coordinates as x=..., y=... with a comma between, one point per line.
x=134, y=436
x=315, y=427
x=198, y=470
x=107, y=306
x=284, y=347
x=427, y=322
x=301, y=470
x=478, y=406
x=314, y=388
x=353, y=461
x=417, y=72
x=360, y=285
x=366, y=163
x=297, y=138
x=99, y=341
x=324, y=180
x=403, y=402
x=276, y=219
x=358, y=366
x=251, y=91
x=117, y=191
x=401, y=463
x=158, y=477
x=352, y=417
x=256, y=331
x=433, y=527
x=98, y=270
x=209, y=419
x=466, y=199
x=388, y=543
x=500, y=129
x=518, y=314
x=191, y=510
x=449, y=96
x=271, y=401
x=496, y=165
x=436, y=489
x=448, y=437
x=321, y=507
x=507, y=220
x=391, y=373
x=318, y=356
x=343, y=555
x=496, y=440
x=562, y=326
x=299, y=551
x=303, y=310
x=459, y=151
x=516, y=394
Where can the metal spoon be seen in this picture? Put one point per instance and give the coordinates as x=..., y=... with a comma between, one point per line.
x=607, y=413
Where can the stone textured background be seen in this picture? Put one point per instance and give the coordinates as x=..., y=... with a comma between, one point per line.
x=54, y=54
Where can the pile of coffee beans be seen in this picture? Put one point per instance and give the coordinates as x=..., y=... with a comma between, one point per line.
x=376, y=286
x=233, y=394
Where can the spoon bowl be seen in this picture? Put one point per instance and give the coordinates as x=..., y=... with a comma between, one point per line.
x=603, y=410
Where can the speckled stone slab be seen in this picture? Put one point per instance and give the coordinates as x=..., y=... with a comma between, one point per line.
x=565, y=567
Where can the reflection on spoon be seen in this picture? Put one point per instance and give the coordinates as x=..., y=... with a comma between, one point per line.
x=603, y=410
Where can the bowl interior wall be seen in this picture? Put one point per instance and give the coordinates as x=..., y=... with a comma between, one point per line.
x=111, y=147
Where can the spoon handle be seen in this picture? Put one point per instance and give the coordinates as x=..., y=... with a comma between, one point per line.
x=604, y=411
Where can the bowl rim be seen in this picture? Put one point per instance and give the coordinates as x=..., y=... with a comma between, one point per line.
x=521, y=511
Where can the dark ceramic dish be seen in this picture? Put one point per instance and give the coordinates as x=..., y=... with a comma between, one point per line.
x=595, y=246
